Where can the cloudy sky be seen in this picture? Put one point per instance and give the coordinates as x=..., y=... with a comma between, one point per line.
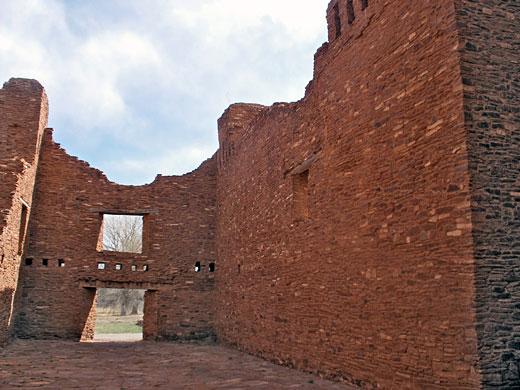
x=136, y=86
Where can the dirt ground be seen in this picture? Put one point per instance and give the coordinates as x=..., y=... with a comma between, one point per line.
x=30, y=364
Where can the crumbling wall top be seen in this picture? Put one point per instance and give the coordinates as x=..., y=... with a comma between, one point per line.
x=231, y=126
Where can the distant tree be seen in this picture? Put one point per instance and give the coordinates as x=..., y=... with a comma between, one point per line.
x=131, y=302
x=122, y=233
x=121, y=301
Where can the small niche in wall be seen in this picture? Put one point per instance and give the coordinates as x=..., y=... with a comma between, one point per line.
x=350, y=11
x=119, y=267
x=28, y=261
x=23, y=227
x=145, y=268
x=61, y=263
x=337, y=21
x=211, y=267
x=364, y=4
x=45, y=262
x=101, y=265
x=197, y=266
x=134, y=268
x=300, y=196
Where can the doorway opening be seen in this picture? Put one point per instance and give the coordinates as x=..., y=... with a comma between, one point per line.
x=119, y=314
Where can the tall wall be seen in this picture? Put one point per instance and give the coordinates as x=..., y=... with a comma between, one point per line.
x=23, y=116
x=344, y=226
x=490, y=53
x=368, y=232
x=179, y=228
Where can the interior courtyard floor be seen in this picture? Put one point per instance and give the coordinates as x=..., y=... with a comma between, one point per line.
x=28, y=364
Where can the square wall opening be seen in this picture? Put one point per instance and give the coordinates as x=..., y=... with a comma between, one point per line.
x=122, y=233
x=119, y=314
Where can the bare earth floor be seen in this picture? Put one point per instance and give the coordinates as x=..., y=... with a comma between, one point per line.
x=29, y=364
x=118, y=337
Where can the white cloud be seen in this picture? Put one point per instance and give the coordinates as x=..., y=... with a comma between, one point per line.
x=172, y=162
x=222, y=17
x=154, y=75
x=98, y=67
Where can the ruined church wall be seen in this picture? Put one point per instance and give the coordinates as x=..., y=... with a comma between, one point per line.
x=490, y=54
x=23, y=117
x=67, y=218
x=344, y=220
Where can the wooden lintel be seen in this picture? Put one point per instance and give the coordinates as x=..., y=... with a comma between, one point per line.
x=303, y=167
x=126, y=285
x=123, y=212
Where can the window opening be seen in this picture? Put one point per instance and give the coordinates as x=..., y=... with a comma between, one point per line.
x=337, y=21
x=350, y=11
x=134, y=268
x=23, y=227
x=197, y=266
x=211, y=267
x=119, y=267
x=364, y=4
x=61, y=263
x=28, y=261
x=101, y=265
x=45, y=262
x=300, y=196
x=145, y=268
x=119, y=312
x=122, y=233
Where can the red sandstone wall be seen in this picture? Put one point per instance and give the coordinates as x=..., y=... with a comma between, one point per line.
x=23, y=116
x=347, y=243
x=490, y=52
x=57, y=301
x=234, y=120
x=373, y=280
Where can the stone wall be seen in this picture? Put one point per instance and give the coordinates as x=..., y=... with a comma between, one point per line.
x=179, y=228
x=344, y=219
x=490, y=52
x=368, y=232
x=23, y=116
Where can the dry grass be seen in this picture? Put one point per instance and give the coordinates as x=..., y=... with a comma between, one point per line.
x=112, y=324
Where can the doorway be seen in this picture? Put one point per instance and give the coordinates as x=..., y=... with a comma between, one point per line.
x=119, y=315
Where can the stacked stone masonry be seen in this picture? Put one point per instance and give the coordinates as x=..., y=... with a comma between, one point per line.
x=368, y=232
x=179, y=229
x=23, y=117
x=489, y=36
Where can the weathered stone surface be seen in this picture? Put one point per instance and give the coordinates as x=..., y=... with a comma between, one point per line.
x=368, y=232
x=375, y=280
x=66, y=222
x=57, y=364
x=490, y=53
x=23, y=117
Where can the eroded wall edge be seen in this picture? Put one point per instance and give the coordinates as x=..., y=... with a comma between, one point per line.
x=490, y=61
x=23, y=118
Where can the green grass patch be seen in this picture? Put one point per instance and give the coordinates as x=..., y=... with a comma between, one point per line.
x=117, y=325
x=115, y=328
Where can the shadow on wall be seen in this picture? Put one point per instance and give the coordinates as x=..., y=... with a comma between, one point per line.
x=6, y=302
